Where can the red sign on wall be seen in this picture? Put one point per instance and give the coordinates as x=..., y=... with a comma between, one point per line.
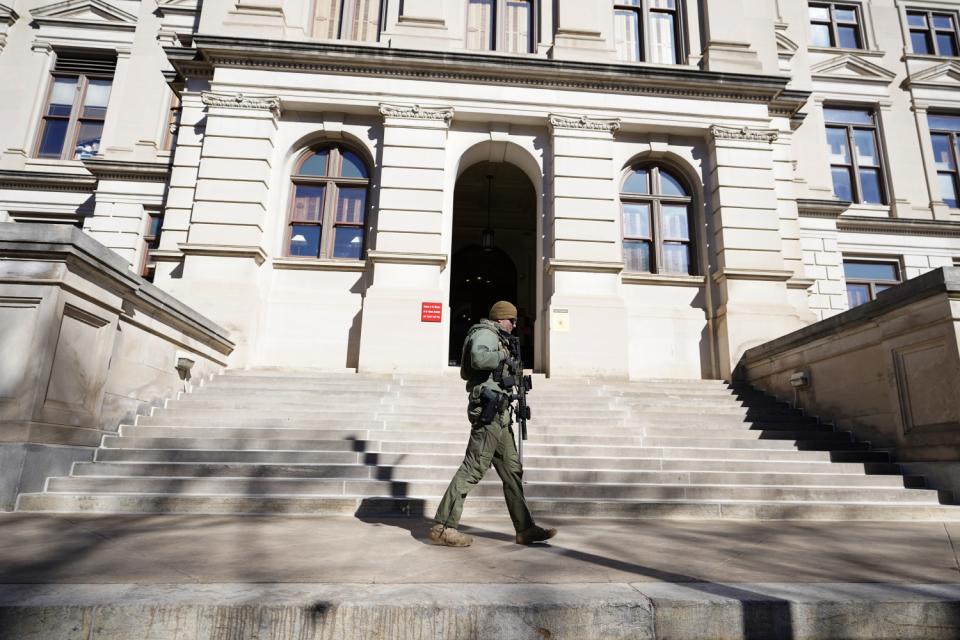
x=431, y=311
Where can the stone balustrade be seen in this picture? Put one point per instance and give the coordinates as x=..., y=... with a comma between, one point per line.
x=84, y=345
x=888, y=370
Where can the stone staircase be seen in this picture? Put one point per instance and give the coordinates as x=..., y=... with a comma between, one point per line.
x=265, y=441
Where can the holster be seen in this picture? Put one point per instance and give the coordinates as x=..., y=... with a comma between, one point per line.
x=491, y=404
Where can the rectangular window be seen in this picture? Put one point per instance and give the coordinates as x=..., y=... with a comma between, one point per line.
x=151, y=241
x=647, y=31
x=932, y=32
x=173, y=121
x=500, y=25
x=854, y=155
x=945, y=136
x=76, y=106
x=835, y=24
x=357, y=20
x=866, y=278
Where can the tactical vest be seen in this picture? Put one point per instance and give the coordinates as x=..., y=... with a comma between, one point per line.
x=470, y=374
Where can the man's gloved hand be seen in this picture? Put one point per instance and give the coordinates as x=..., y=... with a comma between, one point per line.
x=512, y=363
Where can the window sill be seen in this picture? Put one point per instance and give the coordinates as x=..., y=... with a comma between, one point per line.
x=929, y=57
x=870, y=210
x=662, y=279
x=863, y=53
x=314, y=264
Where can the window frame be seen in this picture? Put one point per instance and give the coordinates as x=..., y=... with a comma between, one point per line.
x=656, y=201
x=854, y=164
x=328, y=222
x=895, y=261
x=149, y=242
x=954, y=137
x=498, y=38
x=75, y=119
x=931, y=31
x=341, y=28
x=833, y=22
x=643, y=23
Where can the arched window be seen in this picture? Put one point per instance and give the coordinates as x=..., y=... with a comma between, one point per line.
x=656, y=222
x=347, y=19
x=328, y=207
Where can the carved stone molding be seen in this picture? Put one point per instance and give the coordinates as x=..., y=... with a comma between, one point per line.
x=584, y=123
x=744, y=133
x=416, y=112
x=242, y=101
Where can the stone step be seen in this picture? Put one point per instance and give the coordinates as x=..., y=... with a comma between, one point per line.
x=478, y=505
x=431, y=489
x=452, y=460
x=393, y=422
x=665, y=447
x=531, y=474
x=777, y=440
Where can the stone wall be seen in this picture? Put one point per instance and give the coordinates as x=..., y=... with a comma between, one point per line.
x=887, y=370
x=86, y=344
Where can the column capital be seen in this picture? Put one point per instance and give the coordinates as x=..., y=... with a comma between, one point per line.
x=417, y=112
x=746, y=134
x=583, y=123
x=242, y=101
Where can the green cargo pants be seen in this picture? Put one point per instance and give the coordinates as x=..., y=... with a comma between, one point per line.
x=489, y=444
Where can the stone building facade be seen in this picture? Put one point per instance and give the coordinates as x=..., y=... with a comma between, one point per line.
x=347, y=184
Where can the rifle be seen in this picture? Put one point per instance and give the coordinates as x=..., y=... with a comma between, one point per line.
x=523, y=384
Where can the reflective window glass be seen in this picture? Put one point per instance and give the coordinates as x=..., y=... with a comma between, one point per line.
x=637, y=182
x=819, y=13
x=920, y=42
x=88, y=140
x=846, y=14
x=675, y=223
x=636, y=256
x=663, y=46
x=868, y=270
x=54, y=135
x=870, y=186
x=676, y=258
x=946, y=44
x=820, y=35
x=96, y=99
x=308, y=202
x=946, y=122
x=837, y=142
x=670, y=186
x=948, y=189
x=62, y=95
x=315, y=165
x=626, y=24
x=305, y=240
x=941, y=21
x=848, y=116
x=942, y=152
x=917, y=20
x=348, y=243
x=350, y=204
x=842, y=183
x=636, y=220
x=849, y=37
x=857, y=294
x=353, y=166
x=866, y=147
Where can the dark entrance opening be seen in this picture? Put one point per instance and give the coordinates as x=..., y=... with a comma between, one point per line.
x=504, y=271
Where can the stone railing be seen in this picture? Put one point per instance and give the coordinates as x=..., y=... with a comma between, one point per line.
x=888, y=370
x=85, y=344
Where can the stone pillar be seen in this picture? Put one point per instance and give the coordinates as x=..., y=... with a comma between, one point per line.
x=751, y=275
x=587, y=317
x=726, y=49
x=407, y=260
x=223, y=249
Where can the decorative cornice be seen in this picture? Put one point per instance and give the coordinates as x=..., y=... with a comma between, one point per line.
x=899, y=226
x=416, y=112
x=46, y=181
x=865, y=70
x=479, y=68
x=743, y=133
x=816, y=208
x=663, y=279
x=934, y=77
x=242, y=101
x=584, y=123
x=73, y=13
x=132, y=171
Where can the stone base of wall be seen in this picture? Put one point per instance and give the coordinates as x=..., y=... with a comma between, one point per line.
x=25, y=467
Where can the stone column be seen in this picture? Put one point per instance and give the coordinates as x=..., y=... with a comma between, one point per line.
x=579, y=32
x=407, y=260
x=223, y=249
x=751, y=274
x=587, y=316
x=726, y=48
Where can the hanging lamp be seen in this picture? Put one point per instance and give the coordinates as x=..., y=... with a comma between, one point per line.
x=486, y=238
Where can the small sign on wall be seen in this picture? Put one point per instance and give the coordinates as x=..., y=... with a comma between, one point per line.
x=431, y=311
x=560, y=320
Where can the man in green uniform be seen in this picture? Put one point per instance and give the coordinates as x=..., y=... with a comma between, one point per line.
x=484, y=349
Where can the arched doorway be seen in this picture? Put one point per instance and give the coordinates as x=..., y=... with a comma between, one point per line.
x=504, y=271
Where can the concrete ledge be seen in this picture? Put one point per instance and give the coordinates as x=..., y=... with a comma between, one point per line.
x=504, y=611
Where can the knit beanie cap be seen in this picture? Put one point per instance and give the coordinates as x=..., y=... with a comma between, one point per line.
x=503, y=310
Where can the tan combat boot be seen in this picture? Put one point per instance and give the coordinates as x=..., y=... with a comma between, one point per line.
x=535, y=534
x=448, y=536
